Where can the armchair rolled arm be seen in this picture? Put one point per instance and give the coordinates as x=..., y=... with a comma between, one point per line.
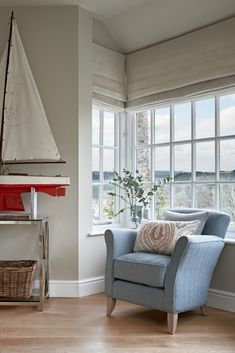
x=189, y=273
x=118, y=242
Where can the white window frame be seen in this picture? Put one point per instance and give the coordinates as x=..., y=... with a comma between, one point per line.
x=193, y=141
x=118, y=163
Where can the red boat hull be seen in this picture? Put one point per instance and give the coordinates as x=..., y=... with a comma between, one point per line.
x=11, y=195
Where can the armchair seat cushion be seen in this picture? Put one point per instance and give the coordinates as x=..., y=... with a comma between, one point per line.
x=144, y=268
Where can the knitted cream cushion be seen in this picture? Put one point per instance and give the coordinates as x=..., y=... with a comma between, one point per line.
x=161, y=236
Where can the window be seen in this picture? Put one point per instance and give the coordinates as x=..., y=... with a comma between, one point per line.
x=105, y=159
x=193, y=142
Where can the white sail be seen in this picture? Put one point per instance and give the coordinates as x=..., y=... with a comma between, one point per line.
x=26, y=135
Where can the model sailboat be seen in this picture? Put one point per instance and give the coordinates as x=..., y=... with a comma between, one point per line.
x=25, y=135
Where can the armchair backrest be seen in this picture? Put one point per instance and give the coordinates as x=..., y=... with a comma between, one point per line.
x=216, y=223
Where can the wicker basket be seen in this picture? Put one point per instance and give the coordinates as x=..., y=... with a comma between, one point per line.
x=17, y=278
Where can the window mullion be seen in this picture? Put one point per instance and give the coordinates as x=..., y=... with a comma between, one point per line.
x=116, y=144
x=193, y=151
x=130, y=154
x=133, y=123
x=172, y=156
x=101, y=163
x=217, y=153
x=152, y=152
x=122, y=155
x=152, y=161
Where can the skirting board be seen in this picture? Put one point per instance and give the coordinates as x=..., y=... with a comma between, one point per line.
x=221, y=300
x=73, y=289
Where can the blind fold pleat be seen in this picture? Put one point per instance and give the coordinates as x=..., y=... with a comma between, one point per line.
x=109, y=75
x=188, y=66
x=181, y=94
x=107, y=103
x=195, y=63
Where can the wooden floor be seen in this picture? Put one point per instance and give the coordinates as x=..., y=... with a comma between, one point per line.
x=80, y=325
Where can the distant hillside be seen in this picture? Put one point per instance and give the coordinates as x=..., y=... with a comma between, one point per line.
x=179, y=175
x=96, y=175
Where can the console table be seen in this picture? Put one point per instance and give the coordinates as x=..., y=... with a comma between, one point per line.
x=40, y=294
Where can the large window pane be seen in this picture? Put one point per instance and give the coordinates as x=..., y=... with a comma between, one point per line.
x=96, y=203
x=182, y=159
x=227, y=205
x=162, y=201
x=109, y=129
x=108, y=203
x=182, y=121
x=193, y=147
x=205, y=196
x=227, y=115
x=143, y=163
x=162, y=162
x=108, y=163
x=205, y=118
x=95, y=126
x=227, y=200
x=182, y=195
x=162, y=125
x=143, y=128
x=205, y=161
x=95, y=164
x=227, y=159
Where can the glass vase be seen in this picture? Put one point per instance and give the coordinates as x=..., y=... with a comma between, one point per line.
x=136, y=216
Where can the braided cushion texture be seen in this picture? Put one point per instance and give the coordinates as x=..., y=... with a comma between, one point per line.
x=161, y=236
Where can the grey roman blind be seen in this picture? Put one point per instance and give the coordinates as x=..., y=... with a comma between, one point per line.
x=187, y=66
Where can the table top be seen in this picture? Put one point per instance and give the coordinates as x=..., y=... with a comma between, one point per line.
x=14, y=218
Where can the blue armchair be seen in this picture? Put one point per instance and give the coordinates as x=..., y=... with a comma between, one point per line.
x=172, y=284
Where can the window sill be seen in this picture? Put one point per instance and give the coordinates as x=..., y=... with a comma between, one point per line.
x=95, y=234
x=100, y=230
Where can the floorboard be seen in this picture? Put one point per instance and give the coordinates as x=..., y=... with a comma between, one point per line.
x=80, y=325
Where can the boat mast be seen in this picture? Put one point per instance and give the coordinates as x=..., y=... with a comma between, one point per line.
x=5, y=89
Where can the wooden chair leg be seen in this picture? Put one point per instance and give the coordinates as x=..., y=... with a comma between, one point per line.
x=203, y=312
x=110, y=305
x=172, y=320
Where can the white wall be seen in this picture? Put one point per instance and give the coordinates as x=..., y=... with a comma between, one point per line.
x=223, y=278
x=50, y=39
x=222, y=288
x=58, y=43
x=91, y=250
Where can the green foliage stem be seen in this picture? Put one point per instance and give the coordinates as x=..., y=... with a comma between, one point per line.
x=131, y=189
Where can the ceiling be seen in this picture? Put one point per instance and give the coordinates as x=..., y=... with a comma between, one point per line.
x=104, y=9
x=154, y=21
x=136, y=24
x=100, y=8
